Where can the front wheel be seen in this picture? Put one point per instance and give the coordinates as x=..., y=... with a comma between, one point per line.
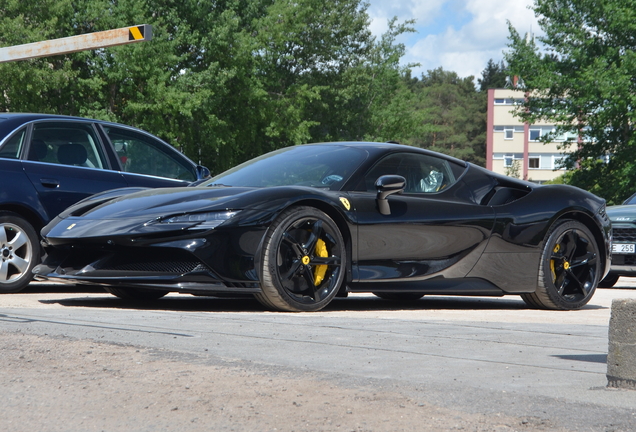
x=569, y=268
x=19, y=252
x=303, y=261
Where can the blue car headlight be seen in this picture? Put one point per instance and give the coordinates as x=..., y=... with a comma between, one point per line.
x=207, y=220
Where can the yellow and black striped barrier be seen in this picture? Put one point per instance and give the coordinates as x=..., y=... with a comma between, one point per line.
x=140, y=33
x=103, y=39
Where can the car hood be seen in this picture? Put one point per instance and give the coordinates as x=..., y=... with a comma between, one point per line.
x=622, y=213
x=138, y=213
x=153, y=203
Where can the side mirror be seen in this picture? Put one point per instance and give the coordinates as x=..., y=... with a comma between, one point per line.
x=202, y=172
x=388, y=185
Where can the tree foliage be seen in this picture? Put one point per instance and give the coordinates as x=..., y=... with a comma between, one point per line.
x=581, y=76
x=227, y=80
x=453, y=115
x=493, y=76
x=222, y=80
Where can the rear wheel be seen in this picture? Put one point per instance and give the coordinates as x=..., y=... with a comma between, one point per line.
x=137, y=294
x=569, y=268
x=303, y=261
x=19, y=252
x=399, y=296
x=609, y=281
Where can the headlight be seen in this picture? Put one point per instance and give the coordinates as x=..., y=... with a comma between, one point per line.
x=206, y=220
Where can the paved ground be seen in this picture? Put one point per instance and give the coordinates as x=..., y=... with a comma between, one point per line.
x=440, y=362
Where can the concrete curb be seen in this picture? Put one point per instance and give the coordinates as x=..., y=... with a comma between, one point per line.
x=621, y=357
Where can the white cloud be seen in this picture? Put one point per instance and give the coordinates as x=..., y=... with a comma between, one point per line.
x=381, y=11
x=460, y=36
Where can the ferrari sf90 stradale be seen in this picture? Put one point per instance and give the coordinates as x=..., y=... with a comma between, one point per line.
x=301, y=225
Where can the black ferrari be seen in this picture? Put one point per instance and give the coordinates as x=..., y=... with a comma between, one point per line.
x=301, y=225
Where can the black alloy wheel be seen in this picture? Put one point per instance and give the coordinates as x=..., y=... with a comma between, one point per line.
x=569, y=268
x=19, y=252
x=303, y=261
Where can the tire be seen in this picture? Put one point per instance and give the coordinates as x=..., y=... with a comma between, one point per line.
x=19, y=252
x=609, y=281
x=569, y=268
x=399, y=296
x=136, y=294
x=303, y=261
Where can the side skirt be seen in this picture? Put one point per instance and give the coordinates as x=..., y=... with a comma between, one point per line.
x=463, y=286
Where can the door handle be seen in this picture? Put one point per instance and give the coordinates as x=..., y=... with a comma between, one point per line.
x=50, y=183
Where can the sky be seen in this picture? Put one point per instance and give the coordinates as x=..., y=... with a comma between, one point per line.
x=458, y=35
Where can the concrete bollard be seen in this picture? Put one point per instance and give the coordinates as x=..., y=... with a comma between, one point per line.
x=621, y=357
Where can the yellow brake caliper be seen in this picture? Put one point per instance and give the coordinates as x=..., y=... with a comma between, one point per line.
x=556, y=249
x=320, y=270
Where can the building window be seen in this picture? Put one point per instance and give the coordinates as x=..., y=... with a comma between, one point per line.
x=508, y=101
x=558, y=162
x=534, y=162
x=535, y=134
x=509, y=134
x=508, y=159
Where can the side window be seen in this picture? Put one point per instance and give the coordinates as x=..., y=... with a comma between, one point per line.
x=66, y=143
x=423, y=173
x=141, y=154
x=13, y=146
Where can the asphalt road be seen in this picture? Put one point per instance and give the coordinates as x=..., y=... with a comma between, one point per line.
x=485, y=355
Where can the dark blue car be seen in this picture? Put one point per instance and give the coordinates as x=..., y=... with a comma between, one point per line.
x=49, y=162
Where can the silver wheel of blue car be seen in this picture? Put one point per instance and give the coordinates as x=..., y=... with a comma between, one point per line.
x=19, y=252
x=569, y=268
x=303, y=261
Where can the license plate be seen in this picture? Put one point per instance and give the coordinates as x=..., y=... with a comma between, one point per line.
x=623, y=248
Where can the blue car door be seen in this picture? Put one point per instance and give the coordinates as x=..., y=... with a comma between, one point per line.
x=147, y=161
x=66, y=163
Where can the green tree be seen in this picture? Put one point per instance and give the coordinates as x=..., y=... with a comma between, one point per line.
x=493, y=76
x=223, y=81
x=453, y=114
x=580, y=76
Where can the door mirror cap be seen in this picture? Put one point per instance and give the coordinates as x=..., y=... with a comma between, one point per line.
x=388, y=185
x=202, y=172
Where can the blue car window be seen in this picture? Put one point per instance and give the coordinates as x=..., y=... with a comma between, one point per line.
x=66, y=143
x=13, y=146
x=141, y=154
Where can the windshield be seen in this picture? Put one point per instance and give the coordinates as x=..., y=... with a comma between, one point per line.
x=323, y=166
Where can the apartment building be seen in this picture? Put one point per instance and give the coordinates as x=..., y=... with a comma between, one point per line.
x=514, y=147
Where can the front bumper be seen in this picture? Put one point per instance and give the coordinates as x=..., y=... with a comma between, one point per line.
x=623, y=265
x=205, y=262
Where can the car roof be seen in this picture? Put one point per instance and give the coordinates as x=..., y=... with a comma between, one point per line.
x=382, y=147
x=21, y=118
x=10, y=122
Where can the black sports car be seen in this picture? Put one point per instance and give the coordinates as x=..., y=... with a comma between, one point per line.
x=301, y=225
